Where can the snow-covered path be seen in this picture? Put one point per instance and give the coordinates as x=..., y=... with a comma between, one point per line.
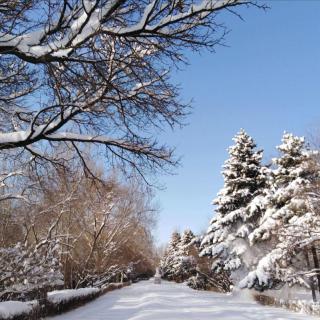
x=170, y=301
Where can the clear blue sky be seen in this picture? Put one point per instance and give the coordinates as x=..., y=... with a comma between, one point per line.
x=266, y=81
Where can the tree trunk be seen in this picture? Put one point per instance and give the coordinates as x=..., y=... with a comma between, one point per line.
x=316, y=264
x=314, y=298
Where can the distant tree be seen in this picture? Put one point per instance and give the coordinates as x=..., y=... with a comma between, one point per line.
x=178, y=262
x=170, y=257
x=185, y=265
x=187, y=239
x=181, y=262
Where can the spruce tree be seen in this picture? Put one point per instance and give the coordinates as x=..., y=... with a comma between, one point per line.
x=244, y=177
x=187, y=241
x=285, y=220
x=169, y=259
x=178, y=262
x=185, y=264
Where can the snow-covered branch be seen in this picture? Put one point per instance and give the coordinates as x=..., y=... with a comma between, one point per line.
x=71, y=28
x=98, y=72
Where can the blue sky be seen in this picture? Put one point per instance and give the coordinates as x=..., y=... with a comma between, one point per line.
x=266, y=81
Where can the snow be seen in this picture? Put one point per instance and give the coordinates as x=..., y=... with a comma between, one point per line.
x=146, y=300
x=59, y=296
x=10, y=309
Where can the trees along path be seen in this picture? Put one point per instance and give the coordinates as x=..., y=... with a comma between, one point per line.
x=170, y=301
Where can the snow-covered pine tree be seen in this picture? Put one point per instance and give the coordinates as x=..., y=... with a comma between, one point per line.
x=279, y=235
x=185, y=264
x=187, y=241
x=244, y=178
x=170, y=256
x=178, y=262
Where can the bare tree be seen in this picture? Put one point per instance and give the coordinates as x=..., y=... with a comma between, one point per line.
x=97, y=72
x=101, y=227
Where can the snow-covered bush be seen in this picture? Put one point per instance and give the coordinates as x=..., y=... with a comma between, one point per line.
x=17, y=309
x=27, y=273
x=210, y=281
x=297, y=305
x=200, y=282
x=62, y=296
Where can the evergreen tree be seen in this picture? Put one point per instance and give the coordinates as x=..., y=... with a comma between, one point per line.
x=187, y=241
x=169, y=259
x=185, y=264
x=178, y=262
x=286, y=214
x=244, y=177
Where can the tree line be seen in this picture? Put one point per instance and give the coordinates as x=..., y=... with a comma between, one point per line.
x=75, y=232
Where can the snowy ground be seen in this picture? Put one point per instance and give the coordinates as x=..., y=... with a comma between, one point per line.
x=170, y=301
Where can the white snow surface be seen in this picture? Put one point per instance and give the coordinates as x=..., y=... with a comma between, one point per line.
x=170, y=301
x=59, y=296
x=10, y=309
